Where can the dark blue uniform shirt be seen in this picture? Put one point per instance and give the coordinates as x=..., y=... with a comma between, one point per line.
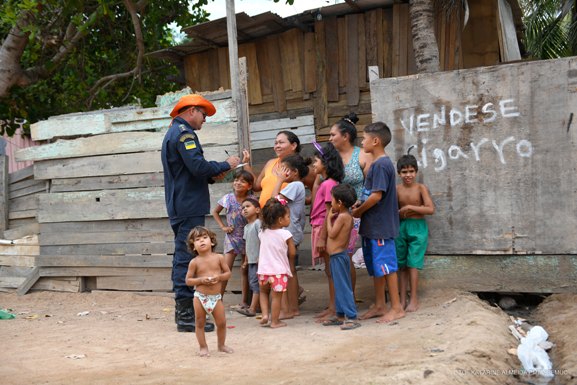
x=186, y=172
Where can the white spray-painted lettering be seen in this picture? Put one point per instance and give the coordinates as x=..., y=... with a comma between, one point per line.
x=474, y=117
x=523, y=148
x=489, y=112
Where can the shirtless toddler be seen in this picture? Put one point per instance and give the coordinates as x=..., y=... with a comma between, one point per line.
x=207, y=271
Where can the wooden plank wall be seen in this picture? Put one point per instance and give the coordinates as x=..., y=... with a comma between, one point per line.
x=102, y=221
x=19, y=245
x=324, y=72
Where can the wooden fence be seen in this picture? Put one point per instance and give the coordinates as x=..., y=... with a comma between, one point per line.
x=98, y=206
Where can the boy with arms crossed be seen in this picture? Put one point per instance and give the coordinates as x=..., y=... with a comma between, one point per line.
x=414, y=203
x=207, y=271
x=379, y=215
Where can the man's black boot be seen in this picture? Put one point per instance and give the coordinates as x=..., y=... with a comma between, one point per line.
x=184, y=316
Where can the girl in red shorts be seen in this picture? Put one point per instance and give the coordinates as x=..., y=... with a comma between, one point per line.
x=276, y=247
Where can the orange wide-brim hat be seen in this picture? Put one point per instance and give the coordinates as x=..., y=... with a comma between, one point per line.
x=193, y=100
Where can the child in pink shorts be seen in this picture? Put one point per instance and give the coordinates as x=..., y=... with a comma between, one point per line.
x=276, y=247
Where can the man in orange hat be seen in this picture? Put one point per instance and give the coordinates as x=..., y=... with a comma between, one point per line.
x=186, y=178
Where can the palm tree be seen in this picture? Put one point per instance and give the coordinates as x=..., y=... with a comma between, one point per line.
x=422, y=15
x=426, y=49
x=550, y=28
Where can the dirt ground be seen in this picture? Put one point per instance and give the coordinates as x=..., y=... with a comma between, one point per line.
x=128, y=338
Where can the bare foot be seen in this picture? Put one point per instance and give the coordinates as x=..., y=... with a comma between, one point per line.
x=324, y=313
x=285, y=315
x=225, y=349
x=278, y=324
x=326, y=318
x=264, y=321
x=413, y=306
x=204, y=352
x=373, y=312
x=391, y=315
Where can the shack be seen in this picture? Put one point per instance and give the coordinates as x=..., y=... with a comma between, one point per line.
x=315, y=63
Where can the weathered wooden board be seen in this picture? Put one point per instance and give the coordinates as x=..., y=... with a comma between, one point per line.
x=100, y=260
x=28, y=202
x=111, y=182
x=111, y=204
x=17, y=260
x=121, y=164
x=332, y=51
x=37, y=187
x=263, y=133
x=11, y=282
x=22, y=231
x=22, y=214
x=155, y=282
x=125, y=142
x=105, y=144
x=120, y=120
x=106, y=237
x=109, y=249
x=501, y=273
x=496, y=145
x=109, y=226
x=65, y=284
x=99, y=271
x=25, y=173
x=353, y=65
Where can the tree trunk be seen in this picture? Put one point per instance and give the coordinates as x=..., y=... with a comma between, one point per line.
x=10, y=53
x=425, y=45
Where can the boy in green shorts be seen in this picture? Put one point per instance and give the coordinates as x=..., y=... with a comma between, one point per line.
x=414, y=203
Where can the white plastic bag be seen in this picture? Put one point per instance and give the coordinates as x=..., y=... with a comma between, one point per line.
x=533, y=357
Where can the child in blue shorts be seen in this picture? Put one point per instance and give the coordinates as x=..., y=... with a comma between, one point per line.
x=414, y=203
x=379, y=215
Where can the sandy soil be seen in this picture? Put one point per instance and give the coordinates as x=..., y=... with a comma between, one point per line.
x=127, y=338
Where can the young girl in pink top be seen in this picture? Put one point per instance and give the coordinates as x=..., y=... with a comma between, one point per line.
x=276, y=247
x=329, y=166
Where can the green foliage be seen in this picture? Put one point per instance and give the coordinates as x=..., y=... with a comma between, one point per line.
x=109, y=47
x=550, y=28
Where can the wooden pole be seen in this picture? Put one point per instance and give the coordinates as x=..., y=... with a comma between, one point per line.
x=240, y=103
x=4, y=197
x=242, y=107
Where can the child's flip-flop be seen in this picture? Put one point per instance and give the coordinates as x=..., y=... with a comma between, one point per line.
x=350, y=325
x=332, y=322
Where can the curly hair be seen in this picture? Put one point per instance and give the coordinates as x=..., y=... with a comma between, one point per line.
x=272, y=211
x=332, y=161
x=197, y=232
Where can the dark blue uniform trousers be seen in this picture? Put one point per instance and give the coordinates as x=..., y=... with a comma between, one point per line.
x=182, y=256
